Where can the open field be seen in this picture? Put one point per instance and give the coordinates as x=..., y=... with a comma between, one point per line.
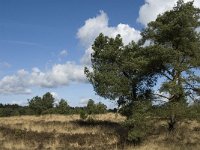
x=57, y=132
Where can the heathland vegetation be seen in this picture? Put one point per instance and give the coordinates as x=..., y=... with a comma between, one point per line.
x=156, y=85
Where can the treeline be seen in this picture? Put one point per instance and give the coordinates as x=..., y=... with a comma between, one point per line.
x=46, y=105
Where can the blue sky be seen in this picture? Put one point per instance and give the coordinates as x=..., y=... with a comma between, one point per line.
x=44, y=44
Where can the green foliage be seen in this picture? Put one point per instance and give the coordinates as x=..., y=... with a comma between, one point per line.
x=12, y=110
x=40, y=105
x=127, y=73
x=63, y=107
x=175, y=49
x=49, y=111
x=6, y=112
x=48, y=100
x=139, y=123
x=118, y=71
x=83, y=115
x=174, y=55
x=194, y=111
x=35, y=104
x=92, y=109
x=45, y=105
x=101, y=108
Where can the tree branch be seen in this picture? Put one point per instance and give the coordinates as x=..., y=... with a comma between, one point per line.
x=161, y=96
x=166, y=76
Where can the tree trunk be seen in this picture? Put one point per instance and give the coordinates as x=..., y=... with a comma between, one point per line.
x=171, y=123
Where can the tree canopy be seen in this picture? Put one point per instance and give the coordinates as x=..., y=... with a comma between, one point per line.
x=166, y=57
x=127, y=73
x=175, y=48
x=41, y=104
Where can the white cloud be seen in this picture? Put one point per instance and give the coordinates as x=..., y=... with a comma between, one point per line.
x=15, y=84
x=149, y=11
x=86, y=58
x=63, y=53
x=92, y=28
x=58, y=75
x=55, y=95
x=100, y=24
x=84, y=101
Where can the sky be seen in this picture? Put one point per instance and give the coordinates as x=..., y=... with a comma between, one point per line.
x=45, y=44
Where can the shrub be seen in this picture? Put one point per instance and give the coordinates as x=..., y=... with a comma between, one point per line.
x=83, y=115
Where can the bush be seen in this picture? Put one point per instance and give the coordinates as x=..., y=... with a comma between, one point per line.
x=83, y=115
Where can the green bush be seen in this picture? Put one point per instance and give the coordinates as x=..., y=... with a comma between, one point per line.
x=83, y=115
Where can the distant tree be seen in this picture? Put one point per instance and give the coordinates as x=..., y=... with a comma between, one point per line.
x=91, y=107
x=1, y=105
x=38, y=104
x=48, y=100
x=63, y=107
x=101, y=108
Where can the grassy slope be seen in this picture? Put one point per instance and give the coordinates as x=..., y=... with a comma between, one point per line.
x=68, y=132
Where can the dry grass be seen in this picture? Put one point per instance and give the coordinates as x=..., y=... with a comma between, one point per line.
x=56, y=123
x=58, y=132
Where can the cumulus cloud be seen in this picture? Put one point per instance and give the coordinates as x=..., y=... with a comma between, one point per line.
x=151, y=8
x=100, y=24
x=58, y=75
x=15, y=84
